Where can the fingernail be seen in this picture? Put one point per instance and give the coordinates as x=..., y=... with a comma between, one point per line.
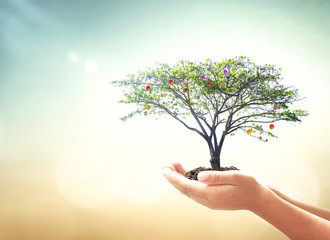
x=202, y=176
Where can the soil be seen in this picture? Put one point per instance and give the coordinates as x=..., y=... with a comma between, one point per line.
x=192, y=174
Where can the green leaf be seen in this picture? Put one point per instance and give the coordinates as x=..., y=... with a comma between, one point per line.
x=248, y=93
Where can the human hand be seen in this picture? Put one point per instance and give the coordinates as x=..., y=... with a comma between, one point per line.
x=233, y=190
x=229, y=190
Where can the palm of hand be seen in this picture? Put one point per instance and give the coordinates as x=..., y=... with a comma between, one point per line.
x=230, y=190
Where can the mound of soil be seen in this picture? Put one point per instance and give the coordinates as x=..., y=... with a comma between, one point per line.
x=192, y=174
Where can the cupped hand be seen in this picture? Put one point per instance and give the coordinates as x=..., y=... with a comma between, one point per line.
x=220, y=190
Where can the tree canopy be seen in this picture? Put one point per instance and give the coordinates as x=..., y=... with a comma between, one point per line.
x=234, y=93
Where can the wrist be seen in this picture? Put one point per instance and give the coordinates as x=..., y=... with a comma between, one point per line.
x=281, y=195
x=262, y=199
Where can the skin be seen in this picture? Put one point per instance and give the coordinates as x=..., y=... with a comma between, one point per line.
x=233, y=190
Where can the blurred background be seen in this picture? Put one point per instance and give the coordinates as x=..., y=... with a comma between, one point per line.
x=70, y=169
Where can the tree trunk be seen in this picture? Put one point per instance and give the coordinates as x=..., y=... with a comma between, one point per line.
x=215, y=156
x=215, y=162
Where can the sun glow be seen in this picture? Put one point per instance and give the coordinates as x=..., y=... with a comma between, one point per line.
x=73, y=57
x=146, y=185
x=87, y=178
x=91, y=66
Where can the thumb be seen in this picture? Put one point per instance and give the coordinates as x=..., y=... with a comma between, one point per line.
x=218, y=177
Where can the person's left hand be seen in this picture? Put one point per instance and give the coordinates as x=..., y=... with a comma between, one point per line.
x=227, y=190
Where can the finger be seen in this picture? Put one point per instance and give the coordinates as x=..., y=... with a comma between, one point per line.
x=187, y=187
x=199, y=199
x=169, y=166
x=199, y=192
x=179, y=168
x=217, y=177
x=172, y=168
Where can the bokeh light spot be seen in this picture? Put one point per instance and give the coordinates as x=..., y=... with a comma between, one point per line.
x=87, y=178
x=91, y=66
x=146, y=185
x=73, y=57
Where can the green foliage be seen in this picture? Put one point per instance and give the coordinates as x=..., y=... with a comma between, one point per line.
x=242, y=99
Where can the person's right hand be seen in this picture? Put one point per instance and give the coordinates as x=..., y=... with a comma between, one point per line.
x=176, y=166
x=233, y=190
x=229, y=190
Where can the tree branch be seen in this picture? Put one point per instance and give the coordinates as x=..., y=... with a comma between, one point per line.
x=175, y=117
x=195, y=116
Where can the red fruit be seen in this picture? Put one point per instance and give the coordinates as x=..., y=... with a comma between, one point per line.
x=148, y=107
x=148, y=87
x=249, y=132
x=186, y=90
x=271, y=126
x=170, y=82
x=208, y=84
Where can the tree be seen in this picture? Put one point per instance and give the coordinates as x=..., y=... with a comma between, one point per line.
x=236, y=94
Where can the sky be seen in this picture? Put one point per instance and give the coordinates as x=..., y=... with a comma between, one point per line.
x=70, y=169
